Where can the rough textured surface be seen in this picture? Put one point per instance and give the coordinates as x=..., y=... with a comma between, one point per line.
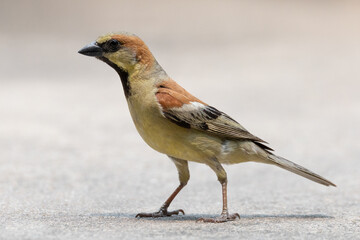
x=72, y=165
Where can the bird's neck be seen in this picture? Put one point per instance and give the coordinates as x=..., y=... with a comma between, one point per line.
x=124, y=75
x=139, y=74
x=153, y=73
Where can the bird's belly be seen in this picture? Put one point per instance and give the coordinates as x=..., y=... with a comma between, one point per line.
x=168, y=138
x=186, y=143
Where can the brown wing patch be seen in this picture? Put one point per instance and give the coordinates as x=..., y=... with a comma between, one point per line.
x=143, y=53
x=169, y=99
x=177, y=91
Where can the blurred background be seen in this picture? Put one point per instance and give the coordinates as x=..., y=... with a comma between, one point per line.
x=287, y=70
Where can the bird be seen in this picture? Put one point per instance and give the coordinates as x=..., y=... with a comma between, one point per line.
x=174, y=122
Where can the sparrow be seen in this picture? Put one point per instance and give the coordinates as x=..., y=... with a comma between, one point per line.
x=174, y=122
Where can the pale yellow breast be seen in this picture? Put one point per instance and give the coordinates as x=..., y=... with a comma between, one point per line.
x=184, y=143
x=165, y=136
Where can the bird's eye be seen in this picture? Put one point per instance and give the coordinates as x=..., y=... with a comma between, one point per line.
x=113, y=45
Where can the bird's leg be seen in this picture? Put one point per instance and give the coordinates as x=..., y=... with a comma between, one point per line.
x=224, y=216
x=163, y=212
x=184, y=175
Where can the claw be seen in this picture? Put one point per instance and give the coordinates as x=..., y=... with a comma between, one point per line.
x=160, y=213
x=176, y=212
x=221, y=219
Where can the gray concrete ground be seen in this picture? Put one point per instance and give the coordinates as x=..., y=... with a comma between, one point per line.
x=72, y=165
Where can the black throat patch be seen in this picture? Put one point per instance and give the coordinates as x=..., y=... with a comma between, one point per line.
x=124, y=76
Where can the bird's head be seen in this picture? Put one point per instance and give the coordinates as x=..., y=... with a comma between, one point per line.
x=123, y=51
x=128, y=55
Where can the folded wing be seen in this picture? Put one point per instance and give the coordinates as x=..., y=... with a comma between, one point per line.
x=185, y=110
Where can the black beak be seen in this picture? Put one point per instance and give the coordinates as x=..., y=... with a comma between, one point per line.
x=92, y=50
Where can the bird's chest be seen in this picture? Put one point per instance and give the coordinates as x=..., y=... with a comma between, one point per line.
x=147, y=118
x=158, y=132
x=165, y=136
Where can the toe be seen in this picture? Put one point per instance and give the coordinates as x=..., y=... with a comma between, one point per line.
x=233, y=216
x=141, y=215
x=176, y=212
x=161, y=213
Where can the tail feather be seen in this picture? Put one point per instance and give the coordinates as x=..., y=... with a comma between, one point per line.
x=295, y=168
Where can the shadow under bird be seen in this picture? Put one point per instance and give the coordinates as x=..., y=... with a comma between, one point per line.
x=174, y=122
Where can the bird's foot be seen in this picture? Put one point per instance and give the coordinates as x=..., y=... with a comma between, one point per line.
x=224, y=217
x=161, y=213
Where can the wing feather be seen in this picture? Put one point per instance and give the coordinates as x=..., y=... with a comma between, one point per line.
x=183, y=109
